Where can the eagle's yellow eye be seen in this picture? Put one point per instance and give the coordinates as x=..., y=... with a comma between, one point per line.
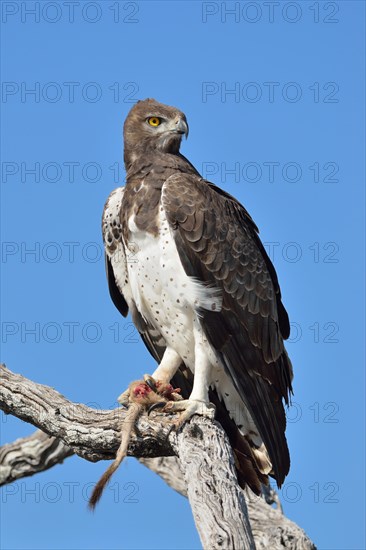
x=154, y=121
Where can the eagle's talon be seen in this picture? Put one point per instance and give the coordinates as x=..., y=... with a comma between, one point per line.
x=159, y=405
x=149, y=380
x=188, y=408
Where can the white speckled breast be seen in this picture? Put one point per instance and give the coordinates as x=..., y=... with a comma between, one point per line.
x=162, y=291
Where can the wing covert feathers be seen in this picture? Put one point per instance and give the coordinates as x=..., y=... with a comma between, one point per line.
x=218, y=243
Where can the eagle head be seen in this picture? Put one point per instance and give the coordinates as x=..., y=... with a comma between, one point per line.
x=151, y=125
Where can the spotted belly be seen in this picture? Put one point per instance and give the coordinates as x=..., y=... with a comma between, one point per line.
x=164, y=294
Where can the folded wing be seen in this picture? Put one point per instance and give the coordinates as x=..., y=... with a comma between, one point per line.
x=218, y=243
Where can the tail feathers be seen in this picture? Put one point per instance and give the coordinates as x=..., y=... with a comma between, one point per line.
x=262, y=460
x=246, y=472
x=252, y=463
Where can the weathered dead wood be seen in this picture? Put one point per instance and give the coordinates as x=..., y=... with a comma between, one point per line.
x=271, y=529
x=217, y=502
x=30, y=455
x=205, y=461
x=38, y=452
x=94, y=435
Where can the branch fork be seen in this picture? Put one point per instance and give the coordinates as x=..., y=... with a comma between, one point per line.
x=197, y=461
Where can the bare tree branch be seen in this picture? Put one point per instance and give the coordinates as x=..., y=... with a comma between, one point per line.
x=204, y=469
x=31, y=455
x=38, y=452
x=94, y=435
x=217, y=502
x=271, y=529
x=90, y=433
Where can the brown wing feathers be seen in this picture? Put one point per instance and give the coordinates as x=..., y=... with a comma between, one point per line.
x=115, y=293
x=215, y=242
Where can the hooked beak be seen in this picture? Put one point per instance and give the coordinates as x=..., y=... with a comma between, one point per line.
x=180, y=127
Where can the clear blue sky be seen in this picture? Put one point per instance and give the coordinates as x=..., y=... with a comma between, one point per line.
x=273, y=93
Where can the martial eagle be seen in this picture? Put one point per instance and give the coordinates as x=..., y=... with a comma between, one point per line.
x=184, y=258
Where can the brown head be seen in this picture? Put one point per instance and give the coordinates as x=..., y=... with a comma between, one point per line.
x=150, y=126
